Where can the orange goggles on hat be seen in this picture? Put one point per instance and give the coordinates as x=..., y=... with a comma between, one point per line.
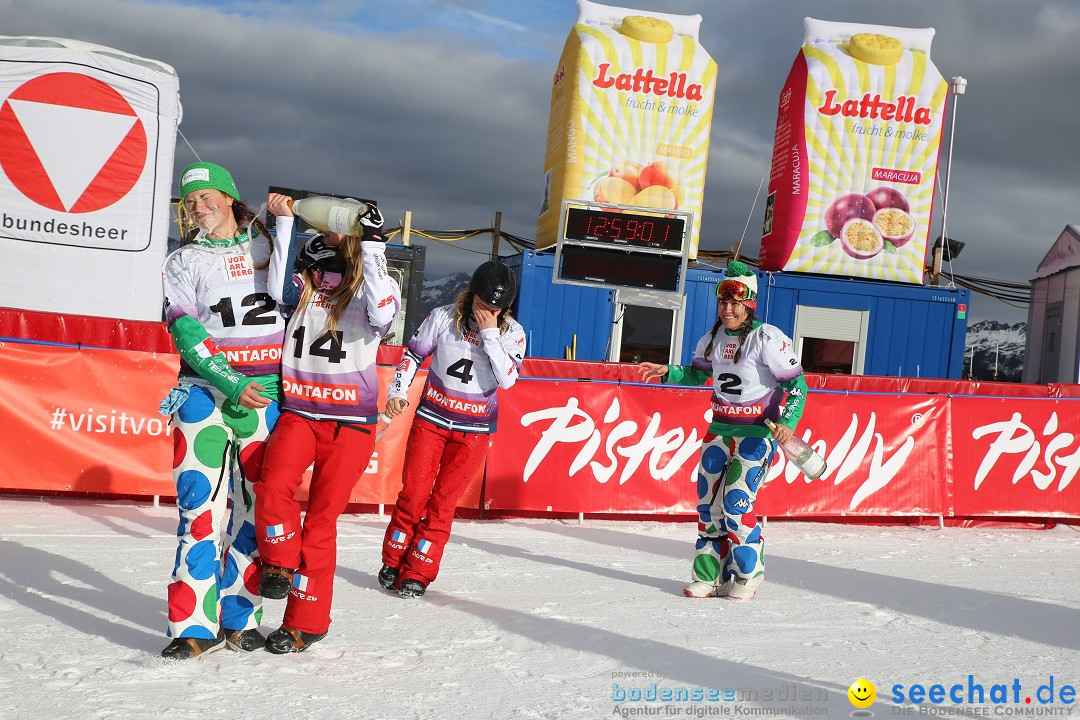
x=735, y=290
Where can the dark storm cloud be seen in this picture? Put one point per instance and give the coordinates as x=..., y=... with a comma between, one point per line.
x=419, y=120
x=441, y=108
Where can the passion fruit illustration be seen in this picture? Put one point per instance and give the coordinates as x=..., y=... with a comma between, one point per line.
x=847, y=207
x=895, y=225
x=861, y=239
x=887, y=197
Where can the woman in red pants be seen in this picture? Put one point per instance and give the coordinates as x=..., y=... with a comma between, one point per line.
x=345, y=301
x=477, y=349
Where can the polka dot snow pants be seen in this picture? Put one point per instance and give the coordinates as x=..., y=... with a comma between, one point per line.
x=729, y=539
x=217, y=454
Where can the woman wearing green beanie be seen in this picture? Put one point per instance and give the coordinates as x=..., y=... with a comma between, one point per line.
x=229, y=332
x=754, y=372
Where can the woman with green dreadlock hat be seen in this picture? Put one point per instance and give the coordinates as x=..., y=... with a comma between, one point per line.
x=756, y=377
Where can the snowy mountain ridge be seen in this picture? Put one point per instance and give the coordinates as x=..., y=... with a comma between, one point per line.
x=442, y=291
x=994, y=345
x=990, y=333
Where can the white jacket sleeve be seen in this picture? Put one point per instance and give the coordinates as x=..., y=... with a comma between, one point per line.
x=381, y=294
x=279, y=278
x=404, y=375
x=505, y=351
x=421, y=345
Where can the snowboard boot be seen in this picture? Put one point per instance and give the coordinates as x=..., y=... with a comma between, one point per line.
x=290, y=640
x=245, y=640
x=388, y=577
x=703, y=589
x=275, y=582
x=411, y=588
x=183, y=648
x=742, y=588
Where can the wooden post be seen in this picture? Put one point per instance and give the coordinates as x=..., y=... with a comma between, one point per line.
x=495, y=232
x=406, y=228
x=935, y=267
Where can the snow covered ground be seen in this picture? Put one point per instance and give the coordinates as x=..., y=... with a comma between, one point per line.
x=548, y=619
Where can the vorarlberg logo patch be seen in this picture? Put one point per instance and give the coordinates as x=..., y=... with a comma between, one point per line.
x=195, y=174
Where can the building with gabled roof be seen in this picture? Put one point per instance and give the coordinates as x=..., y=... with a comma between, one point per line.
x=1053, y=339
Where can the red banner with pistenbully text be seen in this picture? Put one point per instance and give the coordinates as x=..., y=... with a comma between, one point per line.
x=1015, y=457
x=564, y=446
x=85, y=421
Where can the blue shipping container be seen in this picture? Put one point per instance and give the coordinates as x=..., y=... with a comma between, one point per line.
x=838, y=324
x=553, y=315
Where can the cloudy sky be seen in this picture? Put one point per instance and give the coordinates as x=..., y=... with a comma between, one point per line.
x=441, y=108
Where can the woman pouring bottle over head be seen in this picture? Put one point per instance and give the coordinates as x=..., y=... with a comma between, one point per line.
x=345, y=303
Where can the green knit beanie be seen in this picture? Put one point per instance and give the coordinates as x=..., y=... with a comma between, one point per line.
x=739, y=283
x=204, y=175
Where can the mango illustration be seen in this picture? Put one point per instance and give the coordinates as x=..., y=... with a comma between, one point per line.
x=614, y=190
x=657, y=173
x=628, y=171
x=680, y=197
x=656, y=196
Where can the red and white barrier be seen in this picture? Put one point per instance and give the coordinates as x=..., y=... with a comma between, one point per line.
x=84, y=420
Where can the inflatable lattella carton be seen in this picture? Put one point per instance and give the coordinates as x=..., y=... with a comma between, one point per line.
x=855, y=155
x=631, y=108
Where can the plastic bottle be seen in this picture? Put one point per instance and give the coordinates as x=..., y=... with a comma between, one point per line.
x=330, y=214
x=382, y=426
x=802, y=455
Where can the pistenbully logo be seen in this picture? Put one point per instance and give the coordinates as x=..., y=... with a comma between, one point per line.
x=71, y=143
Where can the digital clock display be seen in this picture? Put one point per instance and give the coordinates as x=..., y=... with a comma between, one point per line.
x=625, y=228
x=620, y=267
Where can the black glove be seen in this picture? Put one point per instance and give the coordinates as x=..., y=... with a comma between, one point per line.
x=372, y=220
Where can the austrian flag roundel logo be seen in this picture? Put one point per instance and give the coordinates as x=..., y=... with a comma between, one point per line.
x=71, y=143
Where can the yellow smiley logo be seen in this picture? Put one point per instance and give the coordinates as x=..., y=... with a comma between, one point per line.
x=862, y=693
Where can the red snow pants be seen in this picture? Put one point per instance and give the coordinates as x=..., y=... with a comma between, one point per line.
x=341, y=453
x=439, y=464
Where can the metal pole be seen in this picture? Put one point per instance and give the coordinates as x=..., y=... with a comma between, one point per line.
x=958, y=86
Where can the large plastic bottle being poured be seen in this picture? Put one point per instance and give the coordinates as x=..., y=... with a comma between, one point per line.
x=330, y=214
